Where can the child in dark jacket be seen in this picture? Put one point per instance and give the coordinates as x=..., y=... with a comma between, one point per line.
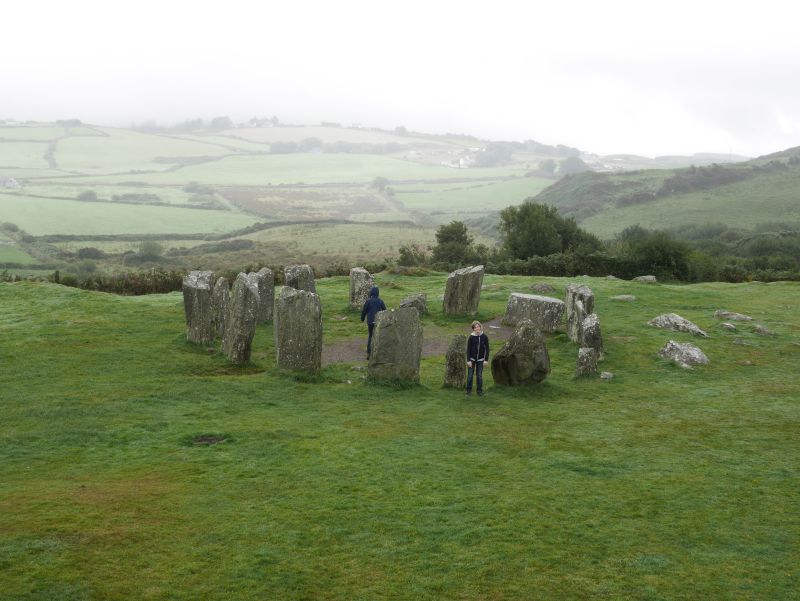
x=477, y=356
x=372, y=306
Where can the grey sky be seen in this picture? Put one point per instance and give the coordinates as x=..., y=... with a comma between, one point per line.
x=634, y=77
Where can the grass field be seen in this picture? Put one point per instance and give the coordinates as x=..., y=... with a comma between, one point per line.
x=327, y=135
x=461, y=197
x=10, y=253
x=27, y=155
x=661, y=484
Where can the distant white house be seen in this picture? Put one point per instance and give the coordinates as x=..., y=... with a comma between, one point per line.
x=9, y=182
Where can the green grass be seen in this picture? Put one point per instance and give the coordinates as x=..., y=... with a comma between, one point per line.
x=328, y=135
x=40, y=216
x=44, y=133
x=24, y=155
x=661, y=484
x=468, y=197
x=168, y=194
x=10, y=253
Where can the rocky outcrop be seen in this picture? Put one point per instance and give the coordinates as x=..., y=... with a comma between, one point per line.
x=396, y=346
x=360, y=284
x=220, y=305
x=587, y=362
x=240, y=326
x=298, y=330
x=198, y=287
x=300, y=277
x=543, y=311
x=683, y=354
x=673, y=321
x=523, y=359
x=579, y=303
x=462, y=292
x=418, y=300
x=455, y=375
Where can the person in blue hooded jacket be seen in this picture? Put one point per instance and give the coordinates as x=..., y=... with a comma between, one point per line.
x=372, y=306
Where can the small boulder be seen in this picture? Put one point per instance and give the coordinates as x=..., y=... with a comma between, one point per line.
x=763, y=331
x=544, y=312
x=543, y=288
x=220, y=305
x=198, y=286
x=731, y=316
x=523, y=359
x=673, y=321
x=462, y=292
x=646, y=279
x=728, y=326
x=607, y=376
x=360, y=284
x=396, y=346
x=587, y=362
x=298, y=330
x=240, y=326
x=418, y=300
x=455, y=363
x=625, y=298
x=591, y=336
x=300, y=277
x=683, y=354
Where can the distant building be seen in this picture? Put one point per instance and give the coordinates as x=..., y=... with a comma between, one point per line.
x=9, y=182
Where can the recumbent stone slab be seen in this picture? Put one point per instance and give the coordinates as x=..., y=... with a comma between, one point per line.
x=462, y=292
x=298, y=330
x=198, y=286
x=544, y=312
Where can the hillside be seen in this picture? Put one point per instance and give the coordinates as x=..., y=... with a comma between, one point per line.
x=660, y=484
x=741, y=195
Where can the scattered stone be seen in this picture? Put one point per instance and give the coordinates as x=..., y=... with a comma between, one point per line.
x=607, y=376
x=300, y=277
x=646, y=279
x=265, y=281
x=198, y=287
x=543, y=288
x=730, y=315
x=763, y=331
x=220, y=305
x=455, y=363
x=591, y=336
x=462, y=292
x=611, y=277
x=626, y=298
x=298, y=330
x=728, y=326
x=240, y=326
x=396, y=346
x=587, y=362
x=683, y=354
x=418, y=300
x=523, y=359
x=579, y=304
x=673, y=321
x=544, y=312
x=360, y=284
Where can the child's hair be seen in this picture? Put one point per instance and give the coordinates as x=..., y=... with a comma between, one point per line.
x=476, y=323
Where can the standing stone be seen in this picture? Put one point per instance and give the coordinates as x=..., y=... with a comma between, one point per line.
x=397, y=345
x=418, y=300
x=265, y=280
x=360, y=284
x=242, y=318
x=220, y=305
x=300, y=277
x=591, y=336
x=455, y=375
x=298, y=330
x=587, y=362
x=580, y=303
x=523, y=359
x=462, y=292
x=197, y=289
x=545, y=312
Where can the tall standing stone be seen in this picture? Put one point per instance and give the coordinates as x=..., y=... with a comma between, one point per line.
x=360, y=284
x=240, y=327
x=396, y=345
x=265, y=280
x=545, y=312
x=462, y=292
x=300, y=277
x=455, y=363
x=220, y=305
x=580, y=303
x=523, y=359
x=591, y=336
x=586, y=363
x=198, y=287
x=298, y=330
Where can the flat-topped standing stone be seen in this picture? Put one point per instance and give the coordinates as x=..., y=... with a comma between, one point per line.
x=579, y=303
x=298, y=330
x=455, y=363
x=418, y=300
x=586, y=363
x=523, y=359
x=300, y=277
x=462, y=292
x=396, y=345
x=673, y=321
x=265, y=280
x=591, y=336
x=198, y=287
x=685, y=355
x=220, y=305
x=360, y=284
x=240, y=327
x=544, y=312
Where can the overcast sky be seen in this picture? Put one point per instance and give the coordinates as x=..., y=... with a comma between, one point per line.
x=607, y=77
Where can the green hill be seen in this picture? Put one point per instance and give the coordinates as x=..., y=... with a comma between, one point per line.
x=741, y=195
x=660, y=484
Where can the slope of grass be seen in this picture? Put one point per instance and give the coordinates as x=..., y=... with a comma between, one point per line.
x=661, y=484
x=469, y=197
x=23, y=155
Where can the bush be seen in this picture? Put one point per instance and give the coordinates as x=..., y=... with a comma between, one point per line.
x=88, y=196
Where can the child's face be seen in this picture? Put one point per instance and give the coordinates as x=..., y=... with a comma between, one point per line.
x=477, y=329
